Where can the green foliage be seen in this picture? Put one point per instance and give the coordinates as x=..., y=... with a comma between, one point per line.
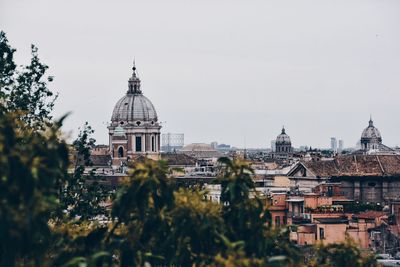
x=82, y=195
x=235, y=256
x=345, y=254
x=32, y=166
x=141, y=205
x=7, y=66
x=247, y=218
x=25, y=91
x=79, y=245
x=236, y=181
x=195, y=229
x=145, y=193
x=360, y=207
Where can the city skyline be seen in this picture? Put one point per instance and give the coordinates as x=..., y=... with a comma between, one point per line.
x=240, y=74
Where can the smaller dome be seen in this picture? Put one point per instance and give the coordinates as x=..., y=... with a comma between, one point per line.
x=371, y=132
x=283, y=138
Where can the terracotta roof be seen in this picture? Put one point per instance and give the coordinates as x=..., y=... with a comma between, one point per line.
x=178, y=159
x=332, y=220
x=321, y=168
x=100, y=160
x=372, y=214
x=96, y=160
x=356, y=165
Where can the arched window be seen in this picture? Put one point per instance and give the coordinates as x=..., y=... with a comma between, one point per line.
x=120, y=152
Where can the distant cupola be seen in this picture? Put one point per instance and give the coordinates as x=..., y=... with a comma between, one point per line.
x=371, y=137
x=283, y=138
x=283, y=143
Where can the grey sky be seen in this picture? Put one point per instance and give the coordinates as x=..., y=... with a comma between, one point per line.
x=222, y=71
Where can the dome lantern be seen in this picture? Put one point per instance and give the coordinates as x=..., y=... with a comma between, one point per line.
x=134, y=82
x=371, y=122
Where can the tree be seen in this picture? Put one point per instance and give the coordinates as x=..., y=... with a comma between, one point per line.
x=345, y=254
x=25, y=90
x=247, y=218
x=7, y=66
x=33, y=164
x=196, y=229
x=82, y=195
x=236, y=181
x=141, y=205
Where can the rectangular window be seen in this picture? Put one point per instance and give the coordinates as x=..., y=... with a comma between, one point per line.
x=321, y=233
x=138, y=144
x=153, y=148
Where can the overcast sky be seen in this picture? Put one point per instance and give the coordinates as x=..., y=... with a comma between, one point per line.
x=227, y=71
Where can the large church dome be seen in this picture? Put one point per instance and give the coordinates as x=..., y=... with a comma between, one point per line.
x=371, y=132
x=283, y=138
x=134, y=107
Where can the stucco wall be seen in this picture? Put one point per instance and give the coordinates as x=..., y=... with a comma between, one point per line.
x=334, y=233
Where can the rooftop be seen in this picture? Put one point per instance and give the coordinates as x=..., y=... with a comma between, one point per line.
x=371, y=214
x=355, y=165
x=178, y=159
x=332, y=220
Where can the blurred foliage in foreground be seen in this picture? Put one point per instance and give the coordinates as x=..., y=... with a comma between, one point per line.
x=48, y=216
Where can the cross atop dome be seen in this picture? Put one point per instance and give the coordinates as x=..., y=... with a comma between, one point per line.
x=134, y=82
